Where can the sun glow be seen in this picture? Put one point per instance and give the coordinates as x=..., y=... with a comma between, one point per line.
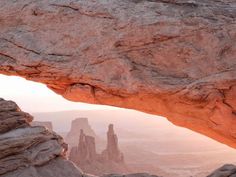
x=36, y=97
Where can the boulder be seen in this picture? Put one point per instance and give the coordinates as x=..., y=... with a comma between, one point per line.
x=28, y=151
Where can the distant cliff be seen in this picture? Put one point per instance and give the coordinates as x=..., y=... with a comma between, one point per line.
x=78, y=124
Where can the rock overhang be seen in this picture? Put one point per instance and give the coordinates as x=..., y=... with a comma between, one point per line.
x=170, y=58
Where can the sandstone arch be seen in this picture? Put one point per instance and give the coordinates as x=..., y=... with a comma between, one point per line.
x=171, y=58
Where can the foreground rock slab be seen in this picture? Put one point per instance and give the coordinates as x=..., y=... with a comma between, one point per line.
x=170, y=58
x=30, y=151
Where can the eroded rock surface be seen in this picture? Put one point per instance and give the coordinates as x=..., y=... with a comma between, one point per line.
x=170, y=58
x=30, y=151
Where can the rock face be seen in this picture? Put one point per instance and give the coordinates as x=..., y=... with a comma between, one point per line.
x=225, y=171
x=30, y=151
x=112, y=152
x=76, y=126
x=111, y=160
x=48, y=125
x=170, y=58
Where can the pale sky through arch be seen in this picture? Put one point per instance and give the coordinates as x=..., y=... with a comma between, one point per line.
x=36, y=97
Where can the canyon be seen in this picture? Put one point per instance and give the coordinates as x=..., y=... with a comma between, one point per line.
x=36, y=151
x=149, y=143
x=27, y=150
x=170, y=58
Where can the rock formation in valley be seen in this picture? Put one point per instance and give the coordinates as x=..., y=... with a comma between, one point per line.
x=76, y=126
x=112, y=152
x=111, y=160
x=48, y=125
x=85, y=152
x=30, y=151
x=170, y=58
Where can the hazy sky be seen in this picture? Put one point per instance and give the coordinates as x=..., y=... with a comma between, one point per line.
x=36, y=97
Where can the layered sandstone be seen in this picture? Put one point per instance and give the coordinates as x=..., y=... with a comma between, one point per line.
x=30, y=151
x=77, y=125
x=174, y=58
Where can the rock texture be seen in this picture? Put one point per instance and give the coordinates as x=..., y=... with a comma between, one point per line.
x=174, y=58
x=30, y=151
x=48, y=125
x=227, y=170
x=76, y=126
x=111, y=160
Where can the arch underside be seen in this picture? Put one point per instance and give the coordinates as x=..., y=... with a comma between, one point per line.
x=174, y=59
